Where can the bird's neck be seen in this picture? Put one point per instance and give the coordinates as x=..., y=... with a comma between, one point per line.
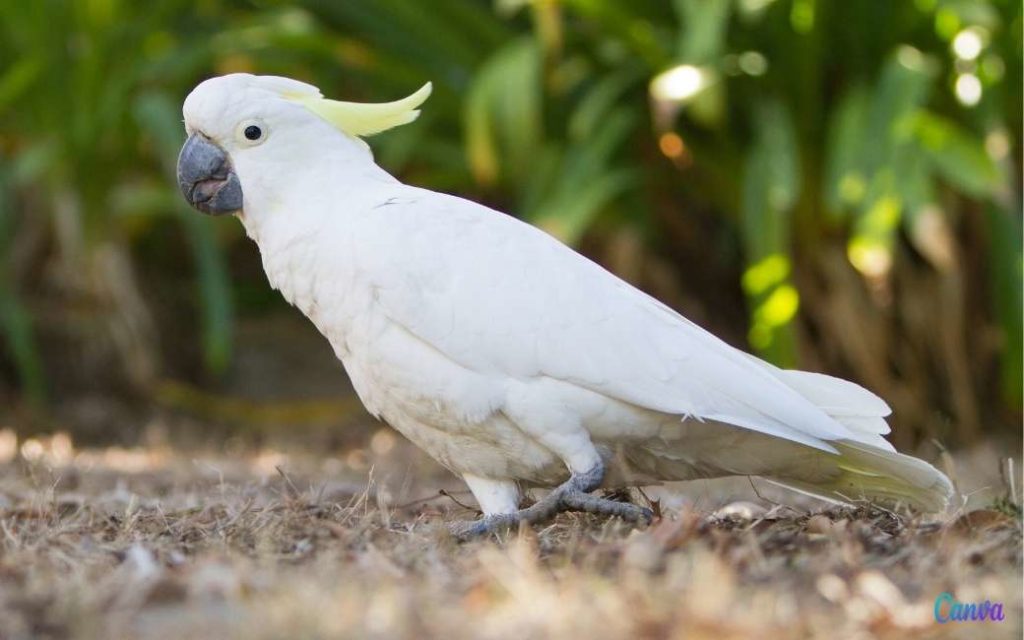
x=302, y=222
x=314, y=191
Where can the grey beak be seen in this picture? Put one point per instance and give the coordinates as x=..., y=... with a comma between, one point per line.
x=206, y=178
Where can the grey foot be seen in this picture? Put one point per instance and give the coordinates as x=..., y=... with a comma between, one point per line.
x=571, y=495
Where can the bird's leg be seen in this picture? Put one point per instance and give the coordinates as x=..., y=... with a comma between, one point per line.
x=571, y=495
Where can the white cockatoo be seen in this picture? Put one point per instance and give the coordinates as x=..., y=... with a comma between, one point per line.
x=508, y=357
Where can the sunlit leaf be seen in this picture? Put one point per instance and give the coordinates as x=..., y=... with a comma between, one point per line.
x=957, y=156
x=771, y=185
x=704, y=22
x=766, y=273
x=871, y=246
x=18, y=78
x=902, y=89
x=845, y=179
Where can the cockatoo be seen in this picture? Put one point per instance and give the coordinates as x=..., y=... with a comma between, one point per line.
x=509, y=358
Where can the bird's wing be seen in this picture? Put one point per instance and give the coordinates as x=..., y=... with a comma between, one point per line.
x=504, y=298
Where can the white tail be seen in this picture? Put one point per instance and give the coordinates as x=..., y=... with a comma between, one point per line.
x=862, y=471
x=868, y=467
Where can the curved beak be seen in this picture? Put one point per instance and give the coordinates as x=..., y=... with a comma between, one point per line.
x=206, y=178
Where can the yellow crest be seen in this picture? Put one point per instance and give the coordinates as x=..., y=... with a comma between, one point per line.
x=363, y=119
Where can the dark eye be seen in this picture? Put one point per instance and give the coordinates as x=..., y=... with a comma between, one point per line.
x=252, y=132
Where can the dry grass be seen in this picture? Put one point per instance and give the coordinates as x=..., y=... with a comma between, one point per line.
x=153, y=544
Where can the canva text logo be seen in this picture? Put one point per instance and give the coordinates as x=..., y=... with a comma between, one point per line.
x=949, y=609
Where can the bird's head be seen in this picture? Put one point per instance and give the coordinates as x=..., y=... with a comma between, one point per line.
x=240, y=123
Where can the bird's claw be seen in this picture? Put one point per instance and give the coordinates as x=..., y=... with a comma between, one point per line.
x=467, y=530
x=579, y=501
x=565, y=498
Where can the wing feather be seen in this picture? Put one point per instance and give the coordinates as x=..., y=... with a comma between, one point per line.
x=504, y=298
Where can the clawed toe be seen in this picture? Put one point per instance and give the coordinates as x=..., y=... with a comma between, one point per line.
x=643, y=514
x=467, y=530
x=571, y=495
x=548, y=508
x=635, y=514
x=639, y=514
x=578, y=501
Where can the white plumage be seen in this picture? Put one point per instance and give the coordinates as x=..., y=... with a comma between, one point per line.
x=507, y=356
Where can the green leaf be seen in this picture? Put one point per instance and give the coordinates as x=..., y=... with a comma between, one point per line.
x=503, y=113
x=771, y=184
x=18, y=78
x=957, y=155
x=583, y=181
x=624, y=25
x=702, y=36
x=1006, y=284
x=889, y=163
x=568, y=217
x=902, y=88
x=599, y=100
x=15, y=320
x=870, y=247
x=845, y=179
x=17, y=330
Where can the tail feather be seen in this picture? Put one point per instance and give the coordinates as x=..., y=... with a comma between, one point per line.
x=836, y=396
x=869, y=430
x=864, y=466
x=848, y=403
x=868, y=467
x=863, y=471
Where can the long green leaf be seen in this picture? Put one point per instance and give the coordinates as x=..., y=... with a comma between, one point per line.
x=15, y=321
x=503, y=113
x=959, y=157
x=1006, y=270
x=771, y=184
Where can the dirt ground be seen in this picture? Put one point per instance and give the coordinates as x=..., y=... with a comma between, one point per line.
x=152, y=542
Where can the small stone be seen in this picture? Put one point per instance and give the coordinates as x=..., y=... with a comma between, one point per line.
x=741, y=510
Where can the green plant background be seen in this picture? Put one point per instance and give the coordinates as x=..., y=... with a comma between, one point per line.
x=833, y=194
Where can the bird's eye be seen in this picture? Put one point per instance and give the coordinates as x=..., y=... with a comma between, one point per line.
x=251, y=132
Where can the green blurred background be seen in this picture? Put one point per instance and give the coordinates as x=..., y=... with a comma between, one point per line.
x=834, y=185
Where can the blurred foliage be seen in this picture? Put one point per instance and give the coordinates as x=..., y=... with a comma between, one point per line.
x=873, y=139
x=90, y=133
